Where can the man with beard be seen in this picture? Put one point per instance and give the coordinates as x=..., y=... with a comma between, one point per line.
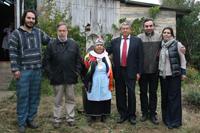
x=149, y=78
x=25, y=56
x=151, y=42
x=63, y=64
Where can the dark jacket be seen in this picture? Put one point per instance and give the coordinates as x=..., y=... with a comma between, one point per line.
x=134, y=59
x=174, y=59
x=62, y=62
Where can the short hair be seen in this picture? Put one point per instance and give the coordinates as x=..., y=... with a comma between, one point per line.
x=148, y=19
x=168, y=28
x=60, y=24
x=125, y=23
x=25, y=13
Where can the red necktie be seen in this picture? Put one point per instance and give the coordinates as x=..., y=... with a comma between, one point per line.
x=124, y=50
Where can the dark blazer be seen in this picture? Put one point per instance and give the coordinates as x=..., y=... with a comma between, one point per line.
x=134, y=59
x=62, y=62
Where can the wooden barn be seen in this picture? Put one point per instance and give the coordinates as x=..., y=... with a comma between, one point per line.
x=101, y=14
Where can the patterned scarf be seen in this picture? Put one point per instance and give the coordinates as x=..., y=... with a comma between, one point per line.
x=163, y=55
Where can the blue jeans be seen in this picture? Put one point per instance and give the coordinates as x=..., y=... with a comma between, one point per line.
x=28, y=95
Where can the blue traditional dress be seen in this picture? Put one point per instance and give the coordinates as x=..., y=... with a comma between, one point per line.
x=99, y=94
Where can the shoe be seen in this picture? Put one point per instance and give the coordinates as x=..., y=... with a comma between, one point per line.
x=21, y=129
x=56, y=124
x=169, y=127
x=143, y=118
x=121, y=120
x=71, y=123
x=103, y=118
x=154, y=120
x=91, y=119
x=132, y=120
x=32, y=125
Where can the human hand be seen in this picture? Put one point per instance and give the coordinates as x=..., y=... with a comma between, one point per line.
x=137, y=76
x=183, y=50
x=183, y=77
x=17, y=74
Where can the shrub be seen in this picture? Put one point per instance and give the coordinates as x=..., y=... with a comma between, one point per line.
x=193, y=97
x=12, y=85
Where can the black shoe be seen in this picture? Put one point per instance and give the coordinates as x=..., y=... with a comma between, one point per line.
x=121, y=120
x=32, y=125
x=169, y=127
x=71, y=123
x=154, y=120
x=132, y=120
x=21, y=129
x=103, y=118
x=143, y=118
x=56, y=124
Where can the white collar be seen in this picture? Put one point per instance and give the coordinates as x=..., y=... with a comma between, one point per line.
x=104, y=54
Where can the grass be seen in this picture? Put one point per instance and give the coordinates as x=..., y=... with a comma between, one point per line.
x=8, y=124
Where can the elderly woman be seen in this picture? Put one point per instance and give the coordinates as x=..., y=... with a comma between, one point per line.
x=172, y=69
x=98, y=82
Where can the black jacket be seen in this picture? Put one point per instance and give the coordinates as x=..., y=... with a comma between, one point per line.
x=62, y=62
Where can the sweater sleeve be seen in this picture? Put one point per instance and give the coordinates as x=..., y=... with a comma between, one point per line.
x=14, y=50
x=182, y=58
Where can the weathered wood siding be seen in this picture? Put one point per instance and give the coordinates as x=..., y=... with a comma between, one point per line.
x=101, y=14
x=164, y=18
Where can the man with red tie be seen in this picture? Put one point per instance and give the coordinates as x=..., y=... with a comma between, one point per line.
x=127, y=67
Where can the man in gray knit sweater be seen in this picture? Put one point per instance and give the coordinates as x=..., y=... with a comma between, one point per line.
x=149, y=79
x=25, y=56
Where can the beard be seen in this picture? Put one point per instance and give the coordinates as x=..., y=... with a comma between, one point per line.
x=29, y=25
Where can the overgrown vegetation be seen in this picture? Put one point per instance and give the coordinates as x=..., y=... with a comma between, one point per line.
x=153, y=11
x=188, y=28
x=51, y=16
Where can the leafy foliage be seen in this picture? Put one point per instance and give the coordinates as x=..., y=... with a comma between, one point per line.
x=180, y=4
x=193, y=97
x=30, y=4
x=51, y=16
x=153, y=11
x=189, y=34
x=136, y=26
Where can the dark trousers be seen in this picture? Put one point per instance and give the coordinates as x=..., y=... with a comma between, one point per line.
x=123, y=85
x=148, y=83
x=171, y=101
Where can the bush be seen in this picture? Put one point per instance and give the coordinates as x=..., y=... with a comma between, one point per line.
x=46, y=88
x=12, y=85
x=193, y=97
x=193, y=76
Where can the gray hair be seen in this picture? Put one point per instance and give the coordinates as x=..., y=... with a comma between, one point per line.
x=125, y=23
x=60, y=24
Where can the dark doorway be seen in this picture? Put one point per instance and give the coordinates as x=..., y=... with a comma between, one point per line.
x=7, y=18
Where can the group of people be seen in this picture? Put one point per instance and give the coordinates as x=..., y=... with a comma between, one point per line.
x=145, y=59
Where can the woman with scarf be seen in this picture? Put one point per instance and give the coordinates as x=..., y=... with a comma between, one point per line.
x=98, y=82
x=172, y=69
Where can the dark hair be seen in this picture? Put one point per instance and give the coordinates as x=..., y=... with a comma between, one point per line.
x=148, y=19
x=25, y=13
x=168, y=28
